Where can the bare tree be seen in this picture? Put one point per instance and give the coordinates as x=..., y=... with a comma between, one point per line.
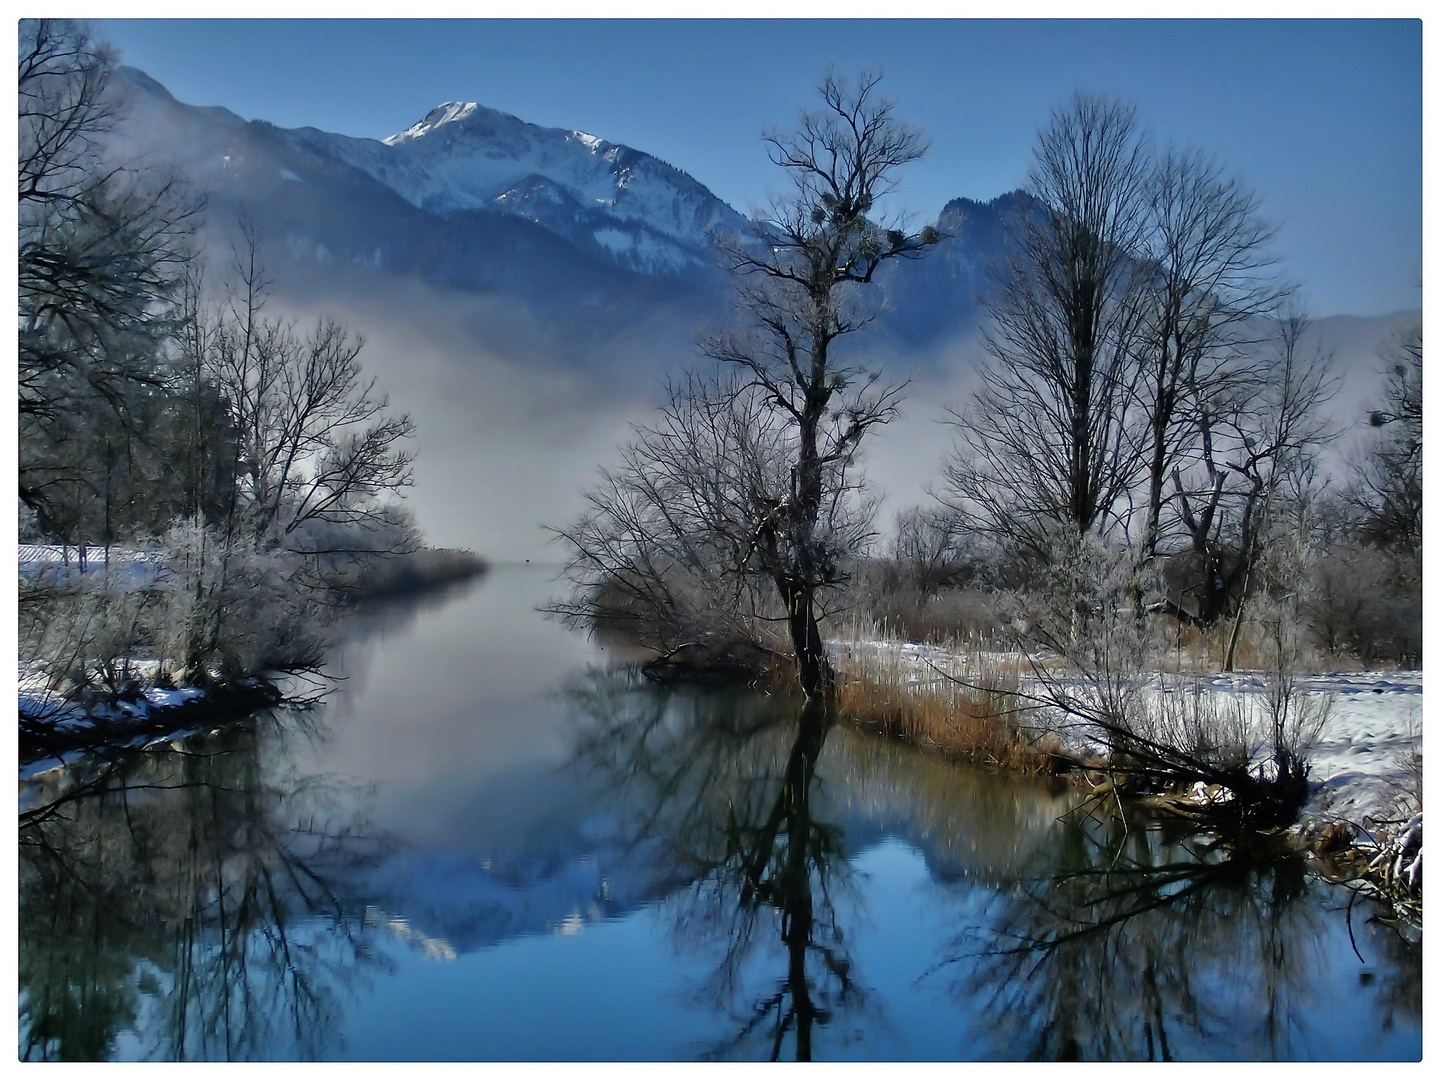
x=810, y=403
x=320, y=453
x=1045, y=446
x=1254, y=443
x=63, y=74
x=1207, y=257
x=796, y=290
x=1365, y=588
x=102, y=249
x=1386, y=489
x=926, y=551
x=662, y=552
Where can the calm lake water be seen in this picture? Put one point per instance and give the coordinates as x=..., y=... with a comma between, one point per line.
x=493, y=842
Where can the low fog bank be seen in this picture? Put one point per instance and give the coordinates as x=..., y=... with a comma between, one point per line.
x=902, y=459
x=508, y=435
x=515, y=415
x=1355, y=345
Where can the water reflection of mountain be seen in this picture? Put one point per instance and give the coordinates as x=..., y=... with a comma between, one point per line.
x=539, y=860
x=551, y=848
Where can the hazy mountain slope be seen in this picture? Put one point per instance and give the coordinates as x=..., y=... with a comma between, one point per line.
x=581, y=230
x=471, y=199
x=318, y=213
x=941, y=295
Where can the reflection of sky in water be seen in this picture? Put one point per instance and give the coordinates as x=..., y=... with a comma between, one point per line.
x=459, y=700
x=540, y=899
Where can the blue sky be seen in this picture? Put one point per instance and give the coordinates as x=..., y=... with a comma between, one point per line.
x=1322, y=118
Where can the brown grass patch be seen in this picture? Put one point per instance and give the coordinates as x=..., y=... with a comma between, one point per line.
x=974, y=714
x=1188, y=648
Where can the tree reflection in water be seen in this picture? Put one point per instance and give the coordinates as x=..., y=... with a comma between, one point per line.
x=716, y=791
x=1082, y=937
x=204, y=901
x=191, y=894
x=1142, y=944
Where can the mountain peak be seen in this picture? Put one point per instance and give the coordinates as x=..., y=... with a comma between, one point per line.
x=437, y=117
x=613, y=204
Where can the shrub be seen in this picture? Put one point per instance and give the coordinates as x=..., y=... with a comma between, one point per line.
x=230, y=608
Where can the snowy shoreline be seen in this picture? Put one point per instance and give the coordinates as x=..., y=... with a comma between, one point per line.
x=143, y=706
x=55, y=733
x=1359, y=762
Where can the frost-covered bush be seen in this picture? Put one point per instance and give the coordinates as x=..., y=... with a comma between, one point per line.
x=230, y=607
x=934, y=581
x=1082, y=606
x=1267, y=733
x=85, y=633
x=214, y=609
x=338, y=555
x=1095, y=651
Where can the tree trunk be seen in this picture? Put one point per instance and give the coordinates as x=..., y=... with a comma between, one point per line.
x=817, y=677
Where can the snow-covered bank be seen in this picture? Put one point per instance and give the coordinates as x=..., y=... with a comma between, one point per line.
x=39, y=705
x=1363, y=762
x=90, y=617
x=54, y=731
x=1369, y=751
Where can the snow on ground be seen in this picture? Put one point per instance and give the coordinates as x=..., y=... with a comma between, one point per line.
x=1364, y=756
x=126, y=568
x=45, y=706
x=1361, y=763
x=39, y=702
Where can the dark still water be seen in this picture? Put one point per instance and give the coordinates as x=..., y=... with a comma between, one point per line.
x=491, y=843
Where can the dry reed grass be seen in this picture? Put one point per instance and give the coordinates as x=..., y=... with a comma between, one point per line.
x=959, y=698
x=1193, y=649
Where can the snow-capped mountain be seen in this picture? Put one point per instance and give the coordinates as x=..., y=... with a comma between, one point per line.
x=593, y=236
x=599, y=240
x=435, y=195
x=472, y=198
x=647, y=215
